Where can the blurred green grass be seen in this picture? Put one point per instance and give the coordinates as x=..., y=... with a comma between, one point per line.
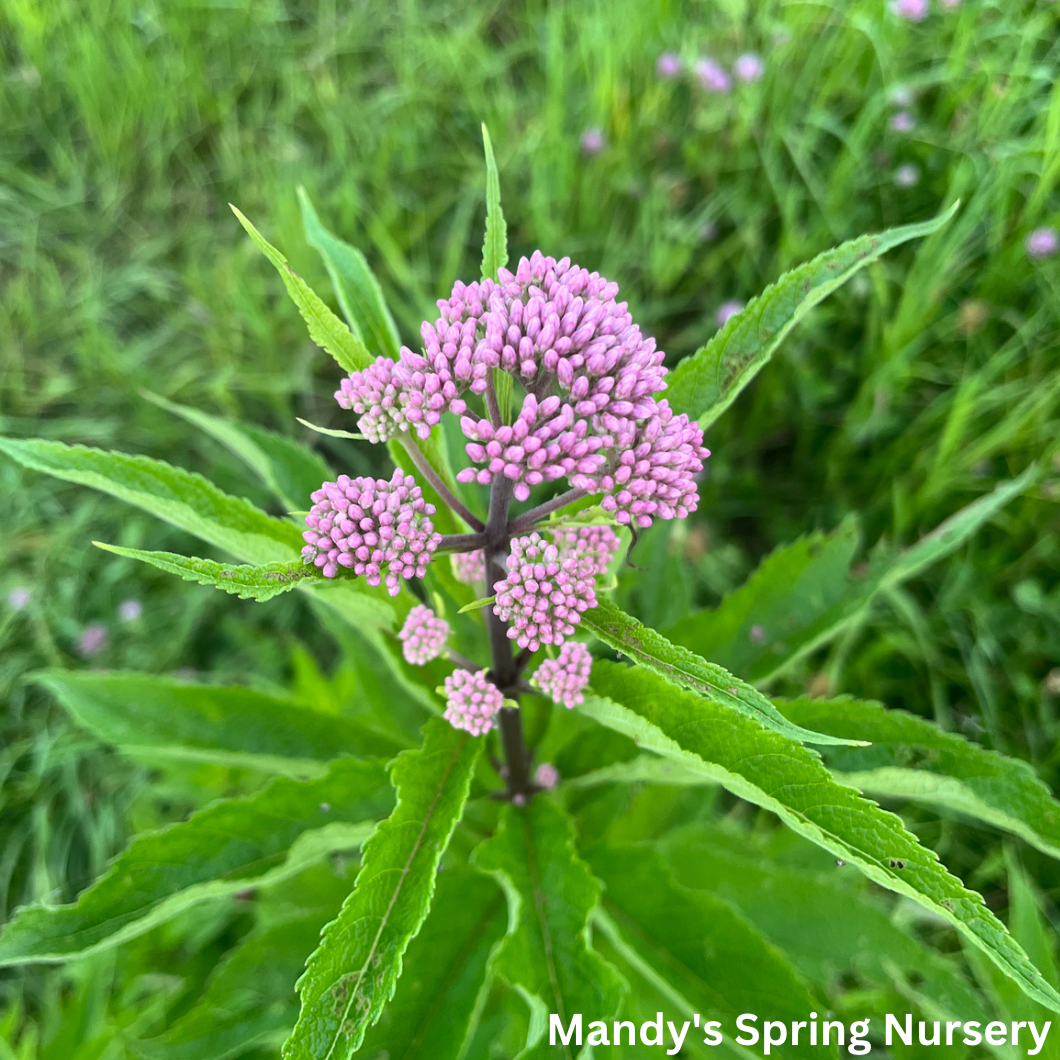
x=129, y=126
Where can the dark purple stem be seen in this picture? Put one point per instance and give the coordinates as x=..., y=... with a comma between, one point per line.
x=461, y=542
x=428, y=472
x=528, y=519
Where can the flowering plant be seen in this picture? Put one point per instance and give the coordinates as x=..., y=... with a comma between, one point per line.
x=527, y=712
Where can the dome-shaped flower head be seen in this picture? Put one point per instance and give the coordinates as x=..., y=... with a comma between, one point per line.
x=669, y=65
x=712, y=76
x=472, y=701
x=371, y=526
x=597, y=543
x=592, y=141
x=469, y=567
x=423, y=635
x=544, y=594
x=1042, y=243
x=564, y=678
x=749, y=68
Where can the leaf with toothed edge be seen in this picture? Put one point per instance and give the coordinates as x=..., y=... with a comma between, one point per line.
x=354, y=971
x=546, y=955
x=684, y=669
x=495, y=244
x=780, y=775
x=706, y=384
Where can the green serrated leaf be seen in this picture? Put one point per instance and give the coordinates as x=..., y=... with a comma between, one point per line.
x=705, y=952
x=546, y=955
x=828, y=924
x=245, y=581
x=442, y=986
x=495, y=244
x=234, y=726
x=682, y=668
x=772, y=771
x=357, y=289
x=354, y=971
x=179, y=497
x=291, y=470
x=911, y=758
x=800, y=597
x=706, y=384
x=224, y=848
x=325, y=329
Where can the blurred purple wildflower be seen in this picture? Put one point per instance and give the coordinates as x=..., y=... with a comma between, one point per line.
x=18, y=598
x=707, y=232
x=902, y=122
x=712, y=76
x=669, y=65
x=1042, y=243
x=911, y=10
x=544, y=594
x=564, y=678
x=592, y=141
x=471, y=701
x=130, y=610
x=749, y=68
x=371, y=525
x=423, y=635
x=469, y=567
x=901, y=96
x=546, y=776
x=93, y=640
x=727, y=310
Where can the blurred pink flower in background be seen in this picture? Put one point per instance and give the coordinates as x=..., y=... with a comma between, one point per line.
x=907, y=176
x=130, y=610
x=903, y=121
x=712, y=76
x=727, y=310
x=1042, y=243
x=911, y=10
x=93, y=640
x=749, y=67
x=669, y=65
x=547, y=775
x=18, y=598
x=593, y=141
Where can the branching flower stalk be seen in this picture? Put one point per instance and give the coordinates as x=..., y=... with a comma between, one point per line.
x=590, y=415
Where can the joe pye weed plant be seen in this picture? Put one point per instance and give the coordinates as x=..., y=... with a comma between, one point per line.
x=493, y=784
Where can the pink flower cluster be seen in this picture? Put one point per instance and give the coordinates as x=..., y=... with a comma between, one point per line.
x=544, y=593
x=564, y=678
x=589, y=413
x=471, y=701
x=423, y=635
x=597, y=543
x=469, y=568
x=371, y=526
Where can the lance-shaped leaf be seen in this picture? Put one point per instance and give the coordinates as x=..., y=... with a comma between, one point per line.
x=290, y=469
x=782, y=776
x=683, y=668
x=179, y=497
x=219, y=850
x=825, y=920
x=495, y=244
x=247, y=581
x=358, y=291
x=165, y=718
x=325, y=329
x=802, y=595
x=698, y=945
x=353, y=972
x=546, y=955
x=441, y=990
x=911, y=758
x=706, y=384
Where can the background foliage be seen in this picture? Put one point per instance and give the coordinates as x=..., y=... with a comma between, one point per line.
x=928, y=379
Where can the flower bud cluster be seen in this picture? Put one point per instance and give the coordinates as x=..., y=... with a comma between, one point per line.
x=423, y=635
x=597, y=543
x=373, y=527
x=564, y=678
x=471, y=701
x=469, y=568
x=544, y=593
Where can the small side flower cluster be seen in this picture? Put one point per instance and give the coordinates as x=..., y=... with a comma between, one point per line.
x=472, y=701
x=371, y=526
x=469, y=567
x=564, y=678
x=423, y=636
x=709, y=74
x=597, y=543
x=545, y=593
